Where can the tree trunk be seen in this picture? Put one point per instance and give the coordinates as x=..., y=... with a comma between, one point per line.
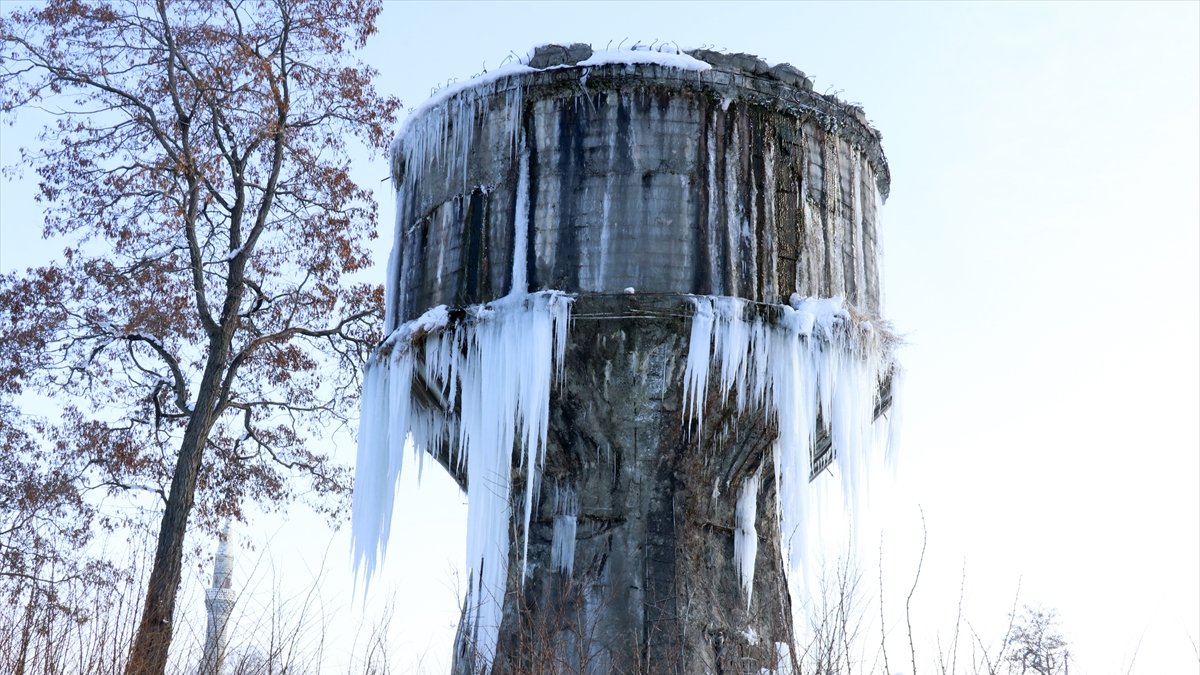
x=151, y=644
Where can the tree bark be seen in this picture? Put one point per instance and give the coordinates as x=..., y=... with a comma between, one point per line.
x=151, y=645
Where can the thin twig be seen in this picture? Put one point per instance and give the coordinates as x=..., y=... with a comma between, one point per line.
x=908, y=602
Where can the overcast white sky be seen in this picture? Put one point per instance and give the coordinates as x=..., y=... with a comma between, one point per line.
x=1042, y=256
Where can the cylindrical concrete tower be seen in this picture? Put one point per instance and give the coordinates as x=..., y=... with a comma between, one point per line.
x=735, y=180
x=696, y=213
x=218, y=601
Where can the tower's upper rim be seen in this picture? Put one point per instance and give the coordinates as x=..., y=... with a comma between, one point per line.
x=742, y=77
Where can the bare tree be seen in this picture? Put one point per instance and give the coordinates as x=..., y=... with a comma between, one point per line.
x=1035, y=644
x=200, y=326
x=835, y=621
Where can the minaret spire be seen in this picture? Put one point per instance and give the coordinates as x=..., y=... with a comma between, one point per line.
x=218, y=600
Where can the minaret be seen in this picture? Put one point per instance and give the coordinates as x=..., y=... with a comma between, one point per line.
x=218, y=600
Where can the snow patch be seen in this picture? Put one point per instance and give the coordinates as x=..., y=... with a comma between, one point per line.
x=670, y=59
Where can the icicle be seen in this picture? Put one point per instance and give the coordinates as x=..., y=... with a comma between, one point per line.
x=745, y=536
x=695, y=378
x=434, y=143
x=893, y=418
x=562, y=546
x=520, y=284
x=783, y=660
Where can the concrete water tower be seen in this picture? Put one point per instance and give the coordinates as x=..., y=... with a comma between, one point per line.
x=633, y=308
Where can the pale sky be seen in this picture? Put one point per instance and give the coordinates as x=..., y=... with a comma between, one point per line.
x=1041, y=256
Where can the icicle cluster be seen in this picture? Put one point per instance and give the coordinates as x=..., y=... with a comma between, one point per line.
x=562, y=546
x=495, y=368
x=745, y=534
x=435, y=141
x=813, y=370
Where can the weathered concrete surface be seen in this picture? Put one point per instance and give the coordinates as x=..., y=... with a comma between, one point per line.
x=670, y=181
x=733, y=181
x=654, y=587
